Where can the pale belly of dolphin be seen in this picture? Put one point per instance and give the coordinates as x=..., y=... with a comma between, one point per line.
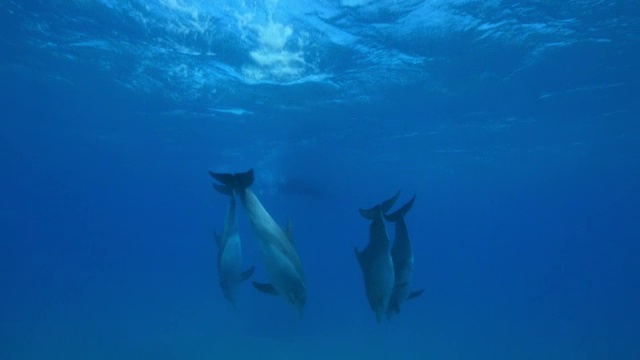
x=379, y=278
x=230, y=265
x=402, y=284
x=273, y=241
x=280, y=269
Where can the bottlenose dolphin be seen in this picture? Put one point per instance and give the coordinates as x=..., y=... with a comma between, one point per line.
x=375, y=260
x=282, y=262
x=402, y=256
x=230, y=252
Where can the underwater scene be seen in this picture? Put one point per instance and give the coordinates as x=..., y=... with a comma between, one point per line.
x=319, y=179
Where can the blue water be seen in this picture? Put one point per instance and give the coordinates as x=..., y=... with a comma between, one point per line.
x=515, y=123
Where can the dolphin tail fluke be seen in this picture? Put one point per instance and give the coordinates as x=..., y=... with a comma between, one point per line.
x=383, y=207
x=400, y=213
x=370, y=213
x=236, y=182
x=245, y=275
x=388, y=204
x=223, y=189
x=415, y=294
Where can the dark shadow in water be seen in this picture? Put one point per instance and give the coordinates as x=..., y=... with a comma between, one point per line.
x=303, y=187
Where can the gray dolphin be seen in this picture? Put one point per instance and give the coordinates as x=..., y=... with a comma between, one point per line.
x=375, y=260
x=282, y=262
x=402, y=256
x=230, y=252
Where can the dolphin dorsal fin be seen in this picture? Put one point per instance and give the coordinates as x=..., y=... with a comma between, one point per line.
x=358, y=256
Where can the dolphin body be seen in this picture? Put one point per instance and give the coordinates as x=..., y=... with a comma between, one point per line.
x=402, y=256
x=375, y=260
x=230, y=253
x=282, y=262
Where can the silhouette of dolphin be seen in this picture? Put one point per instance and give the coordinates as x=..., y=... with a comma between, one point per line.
x=402, y=256
x=230, y=252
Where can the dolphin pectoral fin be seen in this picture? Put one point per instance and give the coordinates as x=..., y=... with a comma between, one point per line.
x=415, y=294
x=247, y=273
x=265, y=288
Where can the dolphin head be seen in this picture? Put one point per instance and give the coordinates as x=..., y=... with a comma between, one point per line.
x=229, y=290
x=298, y=297
x=378, y=307
x=379, y=316
x=392, y=309
x=298, y=304
x=291, y=285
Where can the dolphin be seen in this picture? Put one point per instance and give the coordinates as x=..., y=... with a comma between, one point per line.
x=282, y=263
x=402, y=256
x=230, y=252
x=375, y=260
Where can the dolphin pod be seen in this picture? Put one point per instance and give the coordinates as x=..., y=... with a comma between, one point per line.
x=282, y=262
x=387, y=270
x=375, y=260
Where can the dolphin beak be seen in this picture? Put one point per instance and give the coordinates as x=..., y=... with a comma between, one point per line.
x=379, y=316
